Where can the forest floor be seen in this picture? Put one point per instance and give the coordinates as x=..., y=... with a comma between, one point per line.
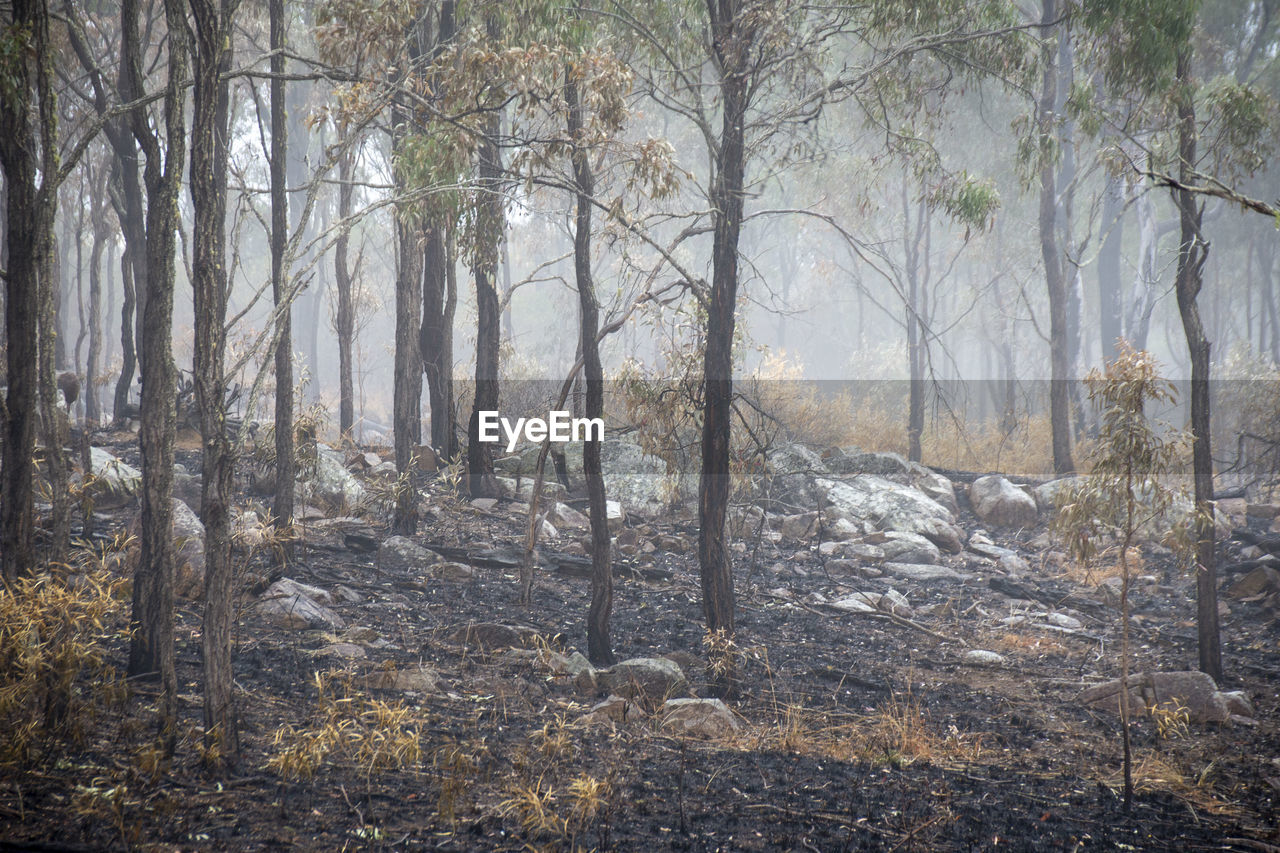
x=857, y=732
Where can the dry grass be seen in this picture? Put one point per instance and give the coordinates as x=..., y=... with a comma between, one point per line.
x=1030, y=644
x=368, y=733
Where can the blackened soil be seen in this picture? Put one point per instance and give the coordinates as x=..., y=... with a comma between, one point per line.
x=859, y=733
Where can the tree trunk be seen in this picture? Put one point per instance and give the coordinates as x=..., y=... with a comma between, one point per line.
x=345, y=321
x=151, y=650
x=22, y=301
x=1110, y=321
x=1192, y=252
x=209, y=144
x=408, y=368
x=730, y=46
x=282, y=507
x=1059, y=345
x=915, y=324
x=599, y=644
x=101, y=236
x=480, y=475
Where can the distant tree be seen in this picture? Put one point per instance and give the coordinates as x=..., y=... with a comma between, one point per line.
x=282, y=505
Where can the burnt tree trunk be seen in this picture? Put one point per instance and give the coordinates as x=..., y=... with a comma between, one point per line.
x=101, y=236
x=282, y=506
x=1192, y=252
x=209, y=146
x=151, y=649
x=480, y=476
x=345, y=320
x=731, y=41
x=1055, y=275
x=599, y=644
x=22, y=300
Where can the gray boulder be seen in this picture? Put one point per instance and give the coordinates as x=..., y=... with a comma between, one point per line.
x=891, y=506
x=402, y=553
x=999, y=503
x=650, y=678
x=1194, y=691
x=332, y=483
x=297, y=606
x=116, y=483
x=848, y=461
x=700, y=718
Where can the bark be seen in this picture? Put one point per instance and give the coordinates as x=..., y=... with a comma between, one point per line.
x=1137, y=323
x=1055, y=279
x=282, y=507
x=917, y=299
x=480, y=476
x=18, y=157
x=345, y=321
x=151, y=651
x=407, y=402
x=437, y=341
x=730, y=44
x=1110, y=321
x=599, y=644
x=1192, y=253
x=101, y=236
x=209, y=143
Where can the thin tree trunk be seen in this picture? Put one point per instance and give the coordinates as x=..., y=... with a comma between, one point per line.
x=282, y=507
x=209, y=147
x=1192, y=253
x=1110, y=321
x=345, y=321
x=730, y=45
x=599, y=643
x=1059, y=355
x=101, y=237
x=488, y=332
x=151, y=650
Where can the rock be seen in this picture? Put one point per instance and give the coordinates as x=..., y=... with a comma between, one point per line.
x=484, y=504
x=1263, y=511
x=744, y=522
x=651, y=678
x=1013, y=564
x=631, y=476
x=701, y=718
x=400, y=553
x=451, y=571
x=843, y=530
x=982, y=657
x=851, y=567
x=866, y=602
x=846, y=461
x=615, y=709
x=856, y=603
x=921, y=573
x=492, y=635
x=1194, y=691
x=798, y=527
x=116, y=483
x=188, y=538
x=615, y=515
x=1260, y=580
x=1062, y=620
x=297, y=606
x=547, y=530
x=891, y=506
x=346, y=651
x=247, y=530
x=331, y=482
x=902, y=547
x=563, y=515
x=999, y=503
x=415, y=679
x=1238, y=703
x=186, y=488
x=1047, y=495
x=1109, y=591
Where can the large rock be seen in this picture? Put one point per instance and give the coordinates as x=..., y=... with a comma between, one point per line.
x=332, y=483
x=891, y=506
x=492, y=635
x=701, y=718
x=402, y=553
x=793, y=471
x=847, y=461
x=1000, y=503
x=1194, y=691
x=1047, y=495
x=921, y=573
x=639, y=481
x=116, y=483
x=651, y=678
x=901, y=547
x=297, y=606
x=188, y=539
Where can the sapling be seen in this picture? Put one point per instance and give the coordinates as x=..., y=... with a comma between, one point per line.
x=1127, y=487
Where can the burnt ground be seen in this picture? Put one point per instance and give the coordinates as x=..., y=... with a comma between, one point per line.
x=859, y=733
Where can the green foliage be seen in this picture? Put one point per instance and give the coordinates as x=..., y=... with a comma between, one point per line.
x=969, y=201
x=1143, y=38
x=1245, y=118
x=1131, y=461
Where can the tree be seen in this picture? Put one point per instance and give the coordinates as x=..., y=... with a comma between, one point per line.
x=151, y=651
x=282, y=507
x=25, y=150
x=1126, y=488
x=213, y=22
